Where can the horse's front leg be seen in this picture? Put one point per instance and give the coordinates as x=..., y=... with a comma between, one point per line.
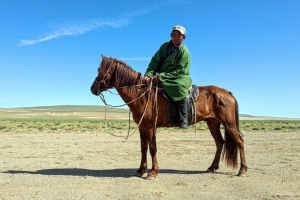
x=153, y=149
x=144, y=148
x=148, y=138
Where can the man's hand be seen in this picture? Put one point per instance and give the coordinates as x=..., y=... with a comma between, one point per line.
x=146, y=79
x=155, y=79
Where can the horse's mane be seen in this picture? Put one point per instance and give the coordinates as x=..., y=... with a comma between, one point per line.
x=124, y=75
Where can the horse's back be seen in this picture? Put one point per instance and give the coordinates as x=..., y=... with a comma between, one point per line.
x=214, y=92
x=212, y=89
x=214, y=102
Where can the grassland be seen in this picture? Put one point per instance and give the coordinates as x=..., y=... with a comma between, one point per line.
x=91, y=119
x=66, y=152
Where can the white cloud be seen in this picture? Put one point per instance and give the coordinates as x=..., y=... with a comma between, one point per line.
x=71, y=30
x=76, y=29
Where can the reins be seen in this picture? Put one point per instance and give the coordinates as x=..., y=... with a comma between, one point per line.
x=149, y=89
x=106, y=104
x=145, y=108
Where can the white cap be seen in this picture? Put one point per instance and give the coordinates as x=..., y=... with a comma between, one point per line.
x=179, y=28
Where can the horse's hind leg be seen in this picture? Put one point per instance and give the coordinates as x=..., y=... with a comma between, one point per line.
x=243, y=168
x=237, y=138
x=214, y=127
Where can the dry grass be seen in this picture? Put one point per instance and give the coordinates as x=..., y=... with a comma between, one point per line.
x=68, y=153
x=33, y=125
x=48, y=165
x=91, y=119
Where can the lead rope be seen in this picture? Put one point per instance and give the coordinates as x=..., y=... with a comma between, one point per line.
x=195, y=114
x=106, y=104
x=156, y=91
x=146, y=106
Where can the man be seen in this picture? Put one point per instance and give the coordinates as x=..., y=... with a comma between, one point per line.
x=170, y=67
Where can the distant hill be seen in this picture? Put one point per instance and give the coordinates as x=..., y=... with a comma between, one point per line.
x=73, y=108
x=66, y=112
x=245, y=115
x=89, y=112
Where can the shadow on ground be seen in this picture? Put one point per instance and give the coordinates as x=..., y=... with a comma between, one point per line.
x=126, y=173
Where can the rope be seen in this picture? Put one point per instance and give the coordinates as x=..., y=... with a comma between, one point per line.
x=156, y=91
x=195, y=114
x=106, y=104
x=148, y=90
x=145, y=108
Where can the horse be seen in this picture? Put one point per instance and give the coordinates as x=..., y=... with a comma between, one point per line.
x=214, y=105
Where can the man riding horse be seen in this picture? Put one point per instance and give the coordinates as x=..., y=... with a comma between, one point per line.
x=170, y=67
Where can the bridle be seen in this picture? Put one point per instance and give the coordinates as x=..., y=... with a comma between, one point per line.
x=99, y=90
x=148, y=90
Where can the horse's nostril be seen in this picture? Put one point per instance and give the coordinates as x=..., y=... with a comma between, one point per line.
x=93, y=90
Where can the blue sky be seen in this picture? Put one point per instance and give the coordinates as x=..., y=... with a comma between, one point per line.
x=50, y=50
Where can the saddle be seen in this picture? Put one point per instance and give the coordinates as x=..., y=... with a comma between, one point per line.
x=173, y=112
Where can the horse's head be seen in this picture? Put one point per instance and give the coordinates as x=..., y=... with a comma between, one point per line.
x=103, y=81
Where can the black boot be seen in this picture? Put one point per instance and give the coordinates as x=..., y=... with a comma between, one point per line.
x=171, y=107
x=183, y=112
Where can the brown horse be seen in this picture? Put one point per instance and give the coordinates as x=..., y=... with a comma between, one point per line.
x=215, y=105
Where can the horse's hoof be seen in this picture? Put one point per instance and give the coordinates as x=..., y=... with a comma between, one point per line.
x=241, y=174
x=149, y=178
x=138, y=174
x=210, y=171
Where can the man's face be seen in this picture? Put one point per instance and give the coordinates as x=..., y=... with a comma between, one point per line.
x=177, y=38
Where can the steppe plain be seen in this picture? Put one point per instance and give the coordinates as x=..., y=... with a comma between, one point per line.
x=70, y=152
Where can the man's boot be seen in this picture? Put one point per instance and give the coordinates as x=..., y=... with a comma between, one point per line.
x=183, y=112
x=171, y=106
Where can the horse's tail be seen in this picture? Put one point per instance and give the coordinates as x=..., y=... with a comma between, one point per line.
x=230, y=150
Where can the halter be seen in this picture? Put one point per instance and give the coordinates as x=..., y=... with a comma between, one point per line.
x=102, y=81
x=99, y=90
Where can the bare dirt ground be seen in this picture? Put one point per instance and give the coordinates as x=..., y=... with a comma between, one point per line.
x=100, y=166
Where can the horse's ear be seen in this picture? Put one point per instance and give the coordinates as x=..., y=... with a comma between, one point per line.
x=103, y=57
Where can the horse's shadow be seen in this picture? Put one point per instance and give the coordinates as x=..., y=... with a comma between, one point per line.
x=124, y=173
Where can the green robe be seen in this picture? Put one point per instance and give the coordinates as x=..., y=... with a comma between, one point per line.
x=173, y=70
